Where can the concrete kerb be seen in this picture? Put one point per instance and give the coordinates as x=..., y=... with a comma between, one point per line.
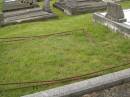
x=87, y=86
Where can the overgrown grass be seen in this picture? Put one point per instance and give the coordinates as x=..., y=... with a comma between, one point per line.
x=58, y=56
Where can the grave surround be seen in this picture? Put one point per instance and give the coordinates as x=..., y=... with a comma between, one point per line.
x=81, y=88
x=18, y=11
x=122, y=26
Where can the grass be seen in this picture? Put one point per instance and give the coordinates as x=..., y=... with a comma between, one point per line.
x=125, y=4
x=59, y=56
x=1, y=1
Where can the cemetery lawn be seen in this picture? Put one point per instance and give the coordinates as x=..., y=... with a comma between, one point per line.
x=59, y=56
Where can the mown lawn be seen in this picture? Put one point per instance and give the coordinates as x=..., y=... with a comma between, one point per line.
x=59, y=56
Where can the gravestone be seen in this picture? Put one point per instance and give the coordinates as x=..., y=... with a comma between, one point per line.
x=71, y=7
x=115, y=12
x=17, y=11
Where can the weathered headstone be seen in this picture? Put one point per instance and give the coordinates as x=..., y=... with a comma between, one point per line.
x=115, y=12
x=17, y=11
x=80, y=6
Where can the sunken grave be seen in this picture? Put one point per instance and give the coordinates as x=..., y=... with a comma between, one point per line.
x=115, y=18
x=73, y=7
x=17, y=11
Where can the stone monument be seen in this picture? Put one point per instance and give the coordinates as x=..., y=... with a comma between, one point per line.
x=17, y=11
x=115, y=12
x=71, y=7
x=115, y=18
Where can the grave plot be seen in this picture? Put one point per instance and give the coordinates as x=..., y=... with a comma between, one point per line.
x=17, y=11
x=71, y=7
x=115, y=18
x=57, y=56
x=54, y=56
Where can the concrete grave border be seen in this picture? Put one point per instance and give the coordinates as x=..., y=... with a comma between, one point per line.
x=115, y=26
x=87, y=86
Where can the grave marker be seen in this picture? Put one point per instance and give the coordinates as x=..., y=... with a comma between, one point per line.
x=115, y=12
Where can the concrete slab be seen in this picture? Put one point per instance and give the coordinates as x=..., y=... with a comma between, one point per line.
x=74, y=7
x=25, y=15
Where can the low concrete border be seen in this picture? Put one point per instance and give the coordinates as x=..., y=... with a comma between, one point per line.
x=117, y=27
x=80, y=88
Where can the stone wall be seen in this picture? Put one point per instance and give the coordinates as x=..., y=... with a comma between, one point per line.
x=117, y=91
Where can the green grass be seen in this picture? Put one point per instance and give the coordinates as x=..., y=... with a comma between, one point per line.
x=125, y=4
x=58, y=56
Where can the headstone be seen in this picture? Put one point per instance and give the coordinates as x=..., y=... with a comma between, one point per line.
x=17, y=11
x=71, y=7
x=115, y=12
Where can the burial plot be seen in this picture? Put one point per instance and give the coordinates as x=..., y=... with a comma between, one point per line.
x=17, y=11
x=71, y=7
x=115, y=18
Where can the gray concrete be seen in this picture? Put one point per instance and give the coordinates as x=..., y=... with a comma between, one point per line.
x=18, y=11
x=80, y=88
x=115, y=26
x=115, y=12
x=25, y=15
x=73, y=7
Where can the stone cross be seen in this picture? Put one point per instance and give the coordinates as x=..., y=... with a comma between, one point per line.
x=115, y=12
